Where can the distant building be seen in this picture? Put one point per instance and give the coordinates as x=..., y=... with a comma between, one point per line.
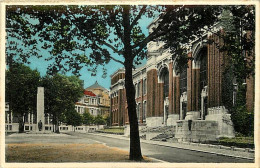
x=96, y=101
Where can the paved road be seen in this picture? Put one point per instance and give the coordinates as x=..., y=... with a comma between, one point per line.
x=167, y=154
x=164, y=153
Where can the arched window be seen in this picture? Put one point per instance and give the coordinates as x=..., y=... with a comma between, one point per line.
x=203, y=68
x=165, y=79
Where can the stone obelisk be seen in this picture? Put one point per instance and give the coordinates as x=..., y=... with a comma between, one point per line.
x=40, y=108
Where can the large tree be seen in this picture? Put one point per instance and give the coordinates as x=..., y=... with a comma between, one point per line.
x=78, y=36
x=21, y=91
x=61, y=93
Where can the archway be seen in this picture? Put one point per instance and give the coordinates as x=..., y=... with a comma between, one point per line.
x=183, y=93
x=202, y=63
x=164, y=78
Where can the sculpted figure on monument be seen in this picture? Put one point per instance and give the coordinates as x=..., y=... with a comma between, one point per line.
x=40, y=125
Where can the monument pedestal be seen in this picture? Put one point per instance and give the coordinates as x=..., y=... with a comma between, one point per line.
x=40, y=110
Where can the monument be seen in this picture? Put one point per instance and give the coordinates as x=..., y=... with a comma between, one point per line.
x=40, y=109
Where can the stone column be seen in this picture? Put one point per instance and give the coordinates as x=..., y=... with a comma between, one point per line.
x=189, y=84
x=40, y=107
x=29, y=118
x=11, y=117
x=48, y=119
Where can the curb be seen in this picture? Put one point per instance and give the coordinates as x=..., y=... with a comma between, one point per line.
x=205, y=145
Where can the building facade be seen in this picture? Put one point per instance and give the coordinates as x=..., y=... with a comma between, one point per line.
x=168, y=96
x=96, y=101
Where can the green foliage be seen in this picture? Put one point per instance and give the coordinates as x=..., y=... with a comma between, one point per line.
x=184, y=24
x=242, y=119
x=99, y=120
x=73, y=118
x=107, y=119
x=87, y=118
x=112, y=130
x=61, y=93
x=21, y=90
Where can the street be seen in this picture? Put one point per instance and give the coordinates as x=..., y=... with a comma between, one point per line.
x=158, y=152
x=164, y=153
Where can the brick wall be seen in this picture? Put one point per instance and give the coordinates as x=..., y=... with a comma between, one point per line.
x=215, y=71
x=250, y=93
x=152, y=81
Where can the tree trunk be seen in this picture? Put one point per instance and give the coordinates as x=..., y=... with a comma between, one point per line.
x=135, y=148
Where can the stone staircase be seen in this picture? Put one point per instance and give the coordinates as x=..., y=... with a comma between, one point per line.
x=161, y=133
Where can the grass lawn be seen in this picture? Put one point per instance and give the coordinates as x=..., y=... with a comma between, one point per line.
x=65, y=153
x=243, y=142
x=117, y=130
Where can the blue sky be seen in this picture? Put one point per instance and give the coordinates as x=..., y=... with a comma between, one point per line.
x=41, y=65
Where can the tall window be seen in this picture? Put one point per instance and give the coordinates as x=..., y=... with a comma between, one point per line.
x=144, y=86
x=135, y=90
x=144, y=111
x=138, y=89
x=203, y=68
x=137, y=111
x=165, y=78
x=183, y=80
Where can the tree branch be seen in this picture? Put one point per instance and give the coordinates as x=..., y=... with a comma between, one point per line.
x=111, y=47
x=138, y=17
x=114, y=59
x=113, y=18
x=155, y=34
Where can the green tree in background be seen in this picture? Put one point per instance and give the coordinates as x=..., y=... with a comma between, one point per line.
x=99, y=120
x=87, y=118
x=61, y=93
x=21, y=91
x=73, y=118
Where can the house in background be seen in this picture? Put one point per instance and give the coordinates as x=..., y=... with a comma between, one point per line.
x=96, y=101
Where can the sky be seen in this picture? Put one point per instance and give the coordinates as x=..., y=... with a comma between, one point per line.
x=41, y=65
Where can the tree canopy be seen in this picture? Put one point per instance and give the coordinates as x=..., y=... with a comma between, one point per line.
x=61, y=93
x=21, y=91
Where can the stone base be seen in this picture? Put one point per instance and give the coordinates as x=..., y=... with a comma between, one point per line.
x=172, y=118
x=200, y=131
x=127, y=130
x=220, y=114
x=154, y=121
x=192, y=115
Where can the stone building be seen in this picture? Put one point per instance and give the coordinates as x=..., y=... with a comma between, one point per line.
x=188, y=100
x=95, y=101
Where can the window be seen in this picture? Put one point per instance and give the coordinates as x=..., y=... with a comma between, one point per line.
x=165, y=78
x=137, y=111
x=92, y=101
x=144, y=86
x=203, y=68
x=144, y=111
x=183, y=80
x=138, y=89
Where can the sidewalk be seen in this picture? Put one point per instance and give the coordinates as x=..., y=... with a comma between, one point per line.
x=206, y=148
